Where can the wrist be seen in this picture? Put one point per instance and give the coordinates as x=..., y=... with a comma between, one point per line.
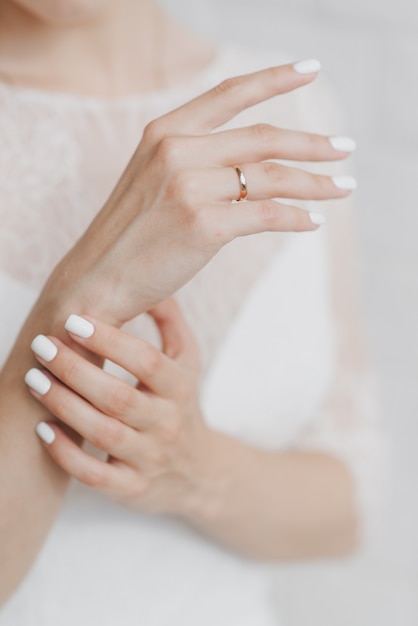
x=214, y=478
x=67, y=292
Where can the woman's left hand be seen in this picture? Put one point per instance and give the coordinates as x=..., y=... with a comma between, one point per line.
x=163, y=458
x=155, y=435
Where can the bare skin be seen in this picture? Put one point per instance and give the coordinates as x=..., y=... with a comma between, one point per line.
x=96, y=47
x=140, y=217
x=163, y=458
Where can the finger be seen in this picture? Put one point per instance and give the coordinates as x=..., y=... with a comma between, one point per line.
x=110, y=395
x=77, y=463
x=177, y=338
x=225, y=222
x=264, y=141
x=226, y=100
x=254, y=143
x=148, y=364
x=272, y=180
x=103, y=432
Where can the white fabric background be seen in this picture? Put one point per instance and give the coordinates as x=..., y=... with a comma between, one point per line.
x=369, y=50
x=60, y=578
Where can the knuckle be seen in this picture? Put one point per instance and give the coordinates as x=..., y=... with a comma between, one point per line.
x=184, y=186
x=93, y=477
x=264, y=132
x=321, y=184
x=274, y=172
x=111, y=338
x=121, y=400
x=184, y=390
x=183, y=201
x=108, y=435
x=267, y=213
x=275, y=73
x=169, y=151
x=170, y=429
x=71, y=368
x=228, y=86
x=153, y=132
x=151, y=361
x=311, y=145
x=62, y=406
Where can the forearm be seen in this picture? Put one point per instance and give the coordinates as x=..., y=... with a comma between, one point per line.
x=274, y=505
x=32, y=486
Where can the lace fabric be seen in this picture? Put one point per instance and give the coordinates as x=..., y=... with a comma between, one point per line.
x=59, y=159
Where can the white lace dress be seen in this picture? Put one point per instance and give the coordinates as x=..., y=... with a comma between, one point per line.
x=275, y=318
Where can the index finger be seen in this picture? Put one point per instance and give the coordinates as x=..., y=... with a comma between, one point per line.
x=223, y=102
x=138, y=357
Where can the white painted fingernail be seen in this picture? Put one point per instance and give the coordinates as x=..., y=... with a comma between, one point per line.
x=37, y=381
x=44, y=348
x=343, y=144
x=79, y=326
x=347, y=183
x=45, y=432
x=317, y=218
x=309, y=66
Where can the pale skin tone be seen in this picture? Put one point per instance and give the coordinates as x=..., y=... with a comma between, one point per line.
x=165, y=212
x=163, y=458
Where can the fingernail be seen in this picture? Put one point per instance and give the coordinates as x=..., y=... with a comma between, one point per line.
x=45, y=432
x=309, y=66
x=37, y=381
x=317, y=218
x=347, y=183
x=343, y=144
x=44, y=348
x=79, y=326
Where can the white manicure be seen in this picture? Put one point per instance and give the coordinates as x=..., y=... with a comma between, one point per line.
x=343, y=144
x=317, y=218
x=347, y=183
x=79, y=326
x=45, y=432
x=309, y=66
x=44, y=348
x=37, y=381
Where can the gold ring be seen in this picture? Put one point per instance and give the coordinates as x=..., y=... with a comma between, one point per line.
x=242, y=183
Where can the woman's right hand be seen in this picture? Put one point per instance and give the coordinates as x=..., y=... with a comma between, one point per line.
x=172, y=209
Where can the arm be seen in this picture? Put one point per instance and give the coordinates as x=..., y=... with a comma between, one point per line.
x=32, y=488
x=276, y=505
x=348, y=425
x=324, y=496
x=164, y=213
x=165, y=459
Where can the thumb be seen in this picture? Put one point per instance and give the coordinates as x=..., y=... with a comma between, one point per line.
x=178, y=341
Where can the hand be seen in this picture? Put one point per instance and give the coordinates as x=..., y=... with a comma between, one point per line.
x=154, y=434
x=172, y=209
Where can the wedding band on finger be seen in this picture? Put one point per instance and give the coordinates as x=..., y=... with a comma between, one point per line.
x=242, y=183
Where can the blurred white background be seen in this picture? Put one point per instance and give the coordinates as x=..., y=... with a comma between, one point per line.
x=369, y=51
